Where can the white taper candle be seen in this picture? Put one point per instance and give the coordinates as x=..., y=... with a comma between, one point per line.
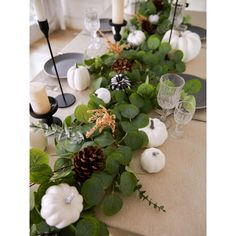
x=38, y=98
x=39, y=10
x=117, y=11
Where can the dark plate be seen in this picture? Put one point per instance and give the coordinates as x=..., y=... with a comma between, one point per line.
x=198, y=30
x=63, y=63
x=201, y=95
x=104, y=25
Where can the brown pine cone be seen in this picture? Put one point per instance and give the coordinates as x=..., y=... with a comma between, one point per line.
x=121, y=65
x=147, y=26
x=87, y=161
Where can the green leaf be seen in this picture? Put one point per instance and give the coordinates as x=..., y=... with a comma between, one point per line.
x=96, y=100
x=37, y=157
x=134, y=140
x=105, y=178
x=104, y=140
x=190, y=99
x=165, y=48
x=141, y=120
x=71, y=146
x=111, y=204
x=192, y=86
x=68, y=231
x=88, y=226
x=126, y=154
x=177, y=56
x=147, y=106
x=112, y=165
x=145, y=138
x=82, y=114
x=136, y=100
x=103, y=230
x=40, y=174
x=92, y=191
x=35, y=217
x=128, y=110
x=146, y=90
x=153, y=42
x=128, y=182
x=180, y=67
x=119, y=96
x=127, y=126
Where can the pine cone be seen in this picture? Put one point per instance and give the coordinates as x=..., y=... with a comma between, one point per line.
x=120, y=82
x=87, y=161
x=159, y=5
x=147, y=26
x=121, y=65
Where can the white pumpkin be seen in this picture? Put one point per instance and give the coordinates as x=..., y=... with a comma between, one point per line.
x=136, y=37
x=61, y=205
x=156, y=132
x=186, y=41
x=152, y=160
x=153, y=18
x=78, y=78
x=103, y=94
x=38, y=139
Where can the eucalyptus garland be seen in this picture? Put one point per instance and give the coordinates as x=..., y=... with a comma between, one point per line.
x=108, y=132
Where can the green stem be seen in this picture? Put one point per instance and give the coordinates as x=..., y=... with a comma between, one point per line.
x=122, y=138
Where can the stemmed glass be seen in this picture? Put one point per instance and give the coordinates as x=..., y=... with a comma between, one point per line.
x=183, y=114
x=169, y=93
x=92, y=24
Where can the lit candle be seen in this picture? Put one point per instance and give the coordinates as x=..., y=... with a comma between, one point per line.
x=39, y=10
x=38, y=98
x=117, y=11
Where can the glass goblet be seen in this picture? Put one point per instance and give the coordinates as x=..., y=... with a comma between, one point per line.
x=169, y=93
x=183, y=114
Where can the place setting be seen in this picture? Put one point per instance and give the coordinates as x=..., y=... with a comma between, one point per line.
x=132, y=107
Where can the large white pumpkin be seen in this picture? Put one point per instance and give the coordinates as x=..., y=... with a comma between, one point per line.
x=152, y=160
x=156, y=132
x=136, y=37
x=186, y=41
x=61, y=205
x=78, y=78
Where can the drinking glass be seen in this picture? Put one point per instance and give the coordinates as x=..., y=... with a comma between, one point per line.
x=183, y=114
x=92, y=24
x=169, y=93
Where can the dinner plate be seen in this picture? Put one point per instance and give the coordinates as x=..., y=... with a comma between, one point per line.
x=201, y=95
x=104, y=25
x=63, y=62
x=198, y=30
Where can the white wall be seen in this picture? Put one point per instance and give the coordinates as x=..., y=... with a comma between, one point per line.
x=197, y=5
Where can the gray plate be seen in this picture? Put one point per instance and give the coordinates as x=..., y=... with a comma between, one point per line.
x=201, y=95
x=198, y=30
x=63, y=63
x=104, y=25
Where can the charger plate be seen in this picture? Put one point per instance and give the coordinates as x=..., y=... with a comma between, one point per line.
x=63, y=63
x=198, y=30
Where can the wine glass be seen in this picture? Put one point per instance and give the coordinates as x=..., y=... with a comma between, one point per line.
x=183, y=114
x=169, y=93
x=92, y=24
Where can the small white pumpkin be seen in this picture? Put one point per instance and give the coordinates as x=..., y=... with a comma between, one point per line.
x=38, y=139
x=186, y=41
x=78, y=78
x=156, y=132
x=103, y=94
x=61, y=205
x=153, y=18
x=136, y=37
x=152, y=160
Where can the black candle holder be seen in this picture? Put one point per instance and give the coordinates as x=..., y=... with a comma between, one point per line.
x=65, y=99
x=117, y=27
x=48, y=117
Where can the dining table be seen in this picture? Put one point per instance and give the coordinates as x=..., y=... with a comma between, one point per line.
x=180, y=186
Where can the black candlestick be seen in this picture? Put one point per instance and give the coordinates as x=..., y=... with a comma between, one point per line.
x=173, y=20
x=117, y=27
x=48, y=117
x=65, y=99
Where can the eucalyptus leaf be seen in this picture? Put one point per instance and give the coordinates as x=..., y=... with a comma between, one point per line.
x=153, y=42
x=126, y=154
x=147, y=107
x=180, y=67
x=105, y=139
x=141, y=120
x=82, y=114
x=127, y=126
x=112, y=165
x=192, y=86
x=128, y=182
x=111, y=204
x=128, y=110
x=92, y=191
x=136, y=100
x=177, y=56
x=165, y=48
x=88, y=226
x=133, y=140
x=105, y=178
x=69, y=231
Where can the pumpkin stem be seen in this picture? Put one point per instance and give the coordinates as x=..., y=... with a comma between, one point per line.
x=69, y=199
x=152, y=124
